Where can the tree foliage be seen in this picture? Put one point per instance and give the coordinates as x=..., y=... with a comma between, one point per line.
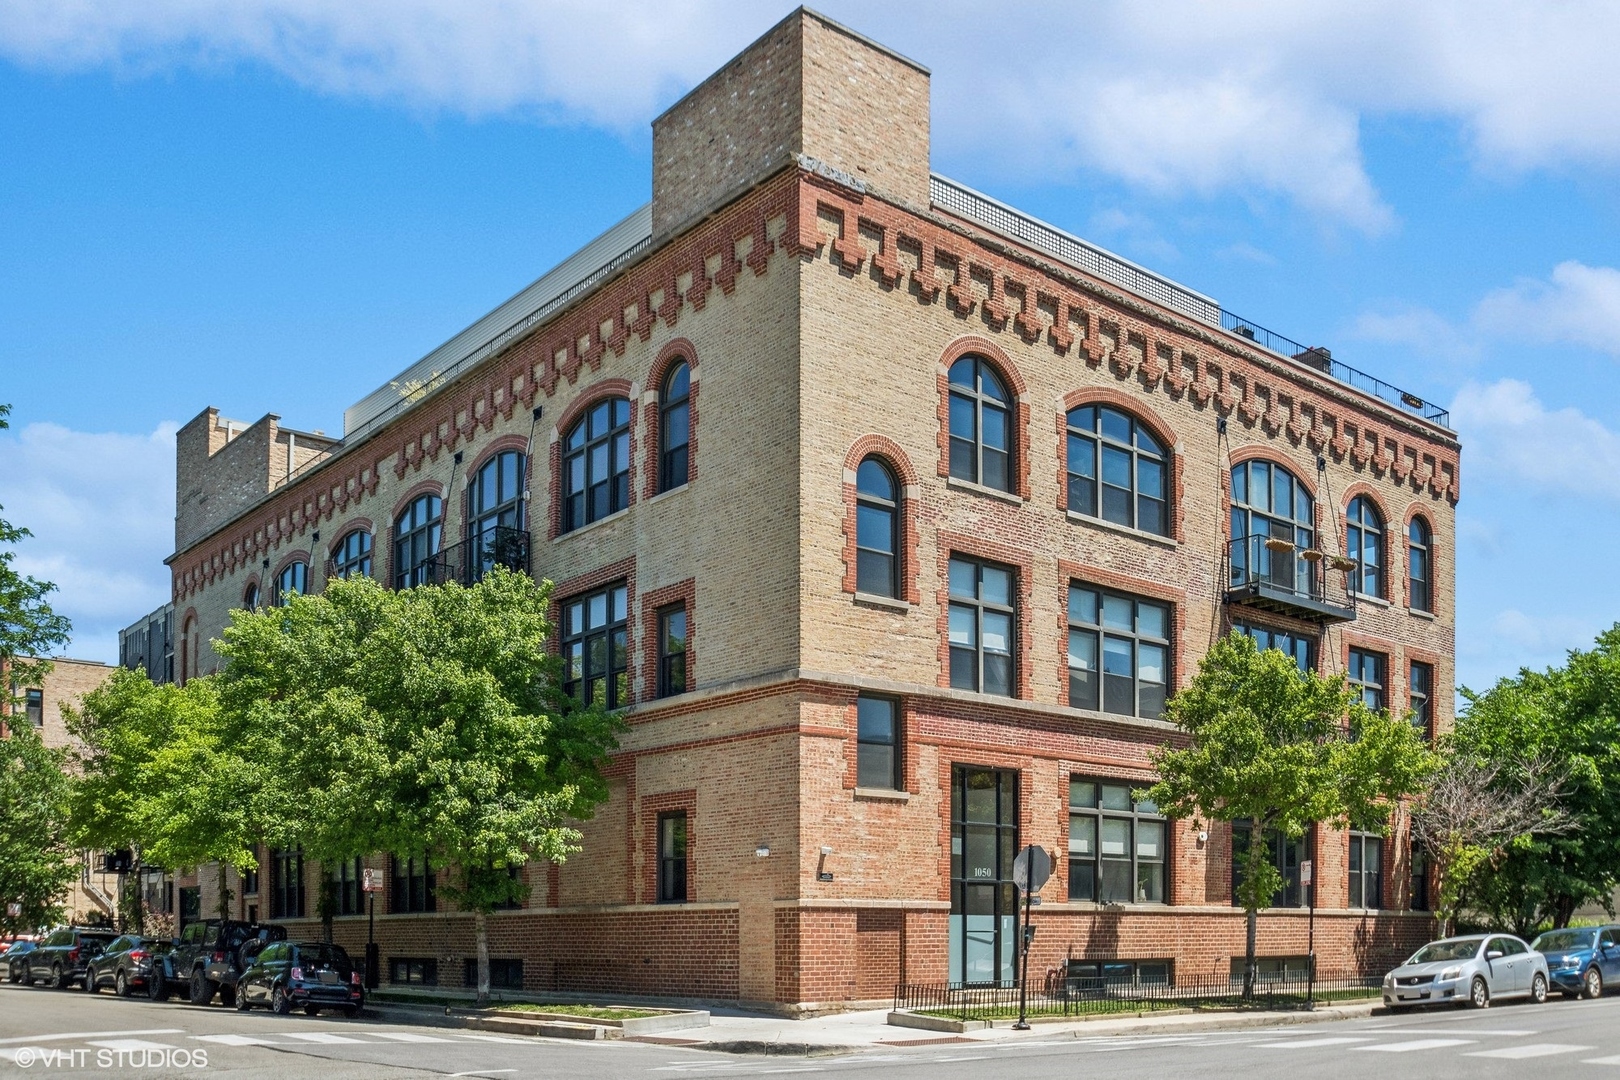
x=36, y=857
x=28, y=626
x=1283, y=750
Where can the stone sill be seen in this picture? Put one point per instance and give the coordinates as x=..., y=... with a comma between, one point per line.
x=980, y=489
x=1375, y=601
x=1419, y=613
x=661, y=496
x=1123, y=530
x=597, y=524
x=882, y=795
x=887, y=602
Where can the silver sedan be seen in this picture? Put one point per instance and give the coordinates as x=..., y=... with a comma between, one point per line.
x=1473, y=970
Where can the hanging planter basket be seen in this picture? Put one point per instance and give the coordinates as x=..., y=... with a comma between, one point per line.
x=1342, y=562
x=1311, y=555
x=1279, y=545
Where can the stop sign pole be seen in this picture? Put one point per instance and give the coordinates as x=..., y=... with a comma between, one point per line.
x=371, y=884
x=1031, y=869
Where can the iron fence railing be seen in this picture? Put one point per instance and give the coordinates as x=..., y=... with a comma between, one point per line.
x=467, y=562
x=1062, y=995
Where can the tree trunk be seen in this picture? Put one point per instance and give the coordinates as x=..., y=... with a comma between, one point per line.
x=224, y=892
x=1563, y=911
x=481, y=929
x=138, y=907
x=1249, y=964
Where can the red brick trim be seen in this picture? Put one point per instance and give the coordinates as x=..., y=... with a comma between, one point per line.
x=675, y=350
x=576, y=410
x=1442, y=678
x=989, y=350
x=1417, y=510
x=1360, y=489
x=1019, y=560
x=890, y=452
x=287, y=560
x=685, y=594
x=1181, y=665
x=188, y=645
x=1139, y=411
x=1303, y=472
x=349, y=526
x=650, y=807
x=416, y=491
x=519, y=443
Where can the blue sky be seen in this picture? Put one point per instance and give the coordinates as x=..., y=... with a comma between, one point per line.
x=275, y=205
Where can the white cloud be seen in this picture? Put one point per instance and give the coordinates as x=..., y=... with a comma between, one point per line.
x=101, y=508
x=1428, y=332
x=1264, y=98
x=1580, y=305
x=1511, y=435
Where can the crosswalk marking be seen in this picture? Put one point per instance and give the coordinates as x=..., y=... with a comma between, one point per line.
x=321, y=1037
x=234, y=1040
x=407, y=1037
x=131, y=1044
x=1292, y=1044
x=1532, y=1050
x=1415, y=1044
x=1615, y=1060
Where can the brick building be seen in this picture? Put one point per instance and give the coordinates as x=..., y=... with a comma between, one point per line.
x=909, y=511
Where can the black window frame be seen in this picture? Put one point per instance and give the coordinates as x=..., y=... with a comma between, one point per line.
x=505, y=972
x=673, y=673
x=1094, y=802
x=1267, y=637
x=418, y=541
x=877, y=567
x=1093, y=977
x=250, y=596
x=413, y=970
x=351, y=555
x=350, y=882
x=1092, y=443
x=673, y=838
x=877, y=743
x=1286, y=855
x=969, y=403
x=1145, y=701
x=250, y=882
x=1420, y=696
x=1366, y=880
x=970, y=833
x=580, y=635
x=1420, y=565
x=1364, y=533
x=34, y=705
x=413, y=884
x=1256, y=520
x=292, y=580
x=494, y=503
x=971, y=657
x=675, y=403
x=1372, y=686
x=589, y=498
x=287, y=889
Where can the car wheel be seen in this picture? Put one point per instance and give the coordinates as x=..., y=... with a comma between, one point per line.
x=28, y=976
x=242, y=1003
x=157, y=985
x=121, y=983
x=59, y=978
x=202, y=988
x=12, y=976
x=1479, y=995
x=90, y=984
x=280, y=1003
x=1592, y=984
x=1538, y=988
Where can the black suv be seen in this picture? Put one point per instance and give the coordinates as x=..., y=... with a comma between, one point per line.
x=63, y=957
x=211, y=954
x=310, y=975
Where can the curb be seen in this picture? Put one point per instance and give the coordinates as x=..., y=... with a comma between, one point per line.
x=1146, y=1023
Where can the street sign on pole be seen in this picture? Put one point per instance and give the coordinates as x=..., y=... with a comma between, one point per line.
x=13, y=910
x=1031, y=869
x=1305, y=872
x=370, y=880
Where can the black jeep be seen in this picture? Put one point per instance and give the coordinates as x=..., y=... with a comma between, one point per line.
x=211, y=955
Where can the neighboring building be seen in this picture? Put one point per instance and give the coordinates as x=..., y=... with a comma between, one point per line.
x=891, y=516
x=148, y=645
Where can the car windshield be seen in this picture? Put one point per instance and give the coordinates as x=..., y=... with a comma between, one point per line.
x=1563, y=940
x=1440, y=951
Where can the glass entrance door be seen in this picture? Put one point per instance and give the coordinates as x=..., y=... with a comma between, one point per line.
x=984, y=840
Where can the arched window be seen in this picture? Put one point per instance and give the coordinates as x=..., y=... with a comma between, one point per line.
x=1273, y=522
x=292, y=581
x=877, y=529
x=596, y=464
x=352, y=556
x=981, y=431
x=250, y=597
x=1117, y=470
x=1420, y=565
x=495, y=523
x=1364, y=542
x=674, y=427
x=417, y=535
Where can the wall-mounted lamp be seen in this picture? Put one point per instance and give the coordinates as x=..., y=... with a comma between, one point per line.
x=763, y=850
x=1220, y=425
x=315, y=536
x=826, y=849
x=538, y=410
x=457, y=458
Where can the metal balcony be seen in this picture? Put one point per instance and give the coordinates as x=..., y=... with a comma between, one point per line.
x=1274, y=575
x=467, y=562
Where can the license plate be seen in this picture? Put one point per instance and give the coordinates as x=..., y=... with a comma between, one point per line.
x=330, y=978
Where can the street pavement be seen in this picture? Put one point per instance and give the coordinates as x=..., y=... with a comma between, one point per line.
x=45, y=1031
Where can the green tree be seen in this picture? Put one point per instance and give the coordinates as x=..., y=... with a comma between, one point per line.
x=36, y=858
x=29, y=629
x=427, y=721
x=1282, y=750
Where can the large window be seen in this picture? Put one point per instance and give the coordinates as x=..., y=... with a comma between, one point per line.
x=877, y=743
x=417, y=535
x=1420, y=565
x=674, y=427
x=287, y=883
x=1366, y=871
x=981, y=428
x=292, y=581
x=1117, y=470
x=1131, y=636
x=495, y=514
x=595, y=660
x=984, y=842
x=1364, y=542
x=414, y=889
x=352, y=556
x=1273, y=522
x=250, y=596
x=1420, y=695
x=1420, y=878
x=1368, y=677
x=34, y=706
x=1117, y=847
x=672, y=671
x=672, y=857
x=981, y=626
x=1301, y=647
x=413, y=970
x=877, y=529
x=596, y=464
x=504, y=973
x=349, y=878
x=1284, y=853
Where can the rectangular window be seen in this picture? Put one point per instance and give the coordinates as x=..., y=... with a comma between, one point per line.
x=672, y=651
x=1420, y=878
x=1366, y=871
x=1094, y=976
x=1299, y=646
x=287, y=883
x=413, y=971
x=1272, y=969
x=504, y=973
x=595, y=665
x=414, y=889
x=1132, y=638
x=250, y=882
x=1117, y=846
x=984, y=842
x=34, y=706
x=349, y=878
x=877, y=743
x=672, y=857
x=981, y=627
x=1284, y=854
x=1367, y=677
x=1420, y=695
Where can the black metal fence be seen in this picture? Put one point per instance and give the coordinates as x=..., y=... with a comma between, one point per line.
x=467, y=562
x=1082, y=996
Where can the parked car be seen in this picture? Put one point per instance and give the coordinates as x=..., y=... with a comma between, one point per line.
x=1473, y=970
x=17, y=961
x=126, y=964
x=211, y=954
x=1582, y=961
x=310, y=975
x=64, y=956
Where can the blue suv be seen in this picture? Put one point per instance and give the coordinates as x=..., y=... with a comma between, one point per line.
x=1581, y=961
